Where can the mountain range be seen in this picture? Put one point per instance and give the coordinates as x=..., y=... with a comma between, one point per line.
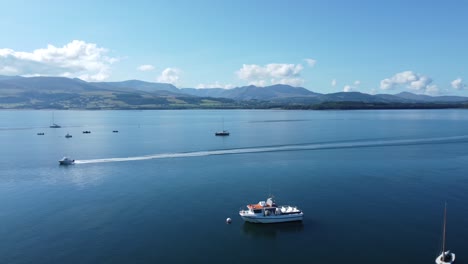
x=65, y=93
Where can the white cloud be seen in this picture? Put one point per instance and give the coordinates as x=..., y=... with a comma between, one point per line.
x=333, y=82
x=348, y=88
x=259, y=83
x=409, y=80
x=145, y=67
x=458, y=84
x=432, y=90
x=215, y=85
x=352, y=88
x=311, y=62
x=75, y=59
x=170, y=75
x=289, y=81
x=8, y=70
x=273, y=73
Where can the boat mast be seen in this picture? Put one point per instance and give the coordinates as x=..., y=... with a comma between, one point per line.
x=443, y=234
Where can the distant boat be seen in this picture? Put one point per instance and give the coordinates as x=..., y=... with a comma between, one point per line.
x=54, y=125
x=68, y=135
x=40, y=133
x=115, y=131
x=223, y=132
x=446, y=257
x=66, y=161
x=268, y=212
x=86, y=132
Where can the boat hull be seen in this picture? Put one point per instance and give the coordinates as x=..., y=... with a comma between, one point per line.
x=272, y=219
x=66, y=161
x=440, y=261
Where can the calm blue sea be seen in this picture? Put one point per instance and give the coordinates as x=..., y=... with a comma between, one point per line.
x=372, y=185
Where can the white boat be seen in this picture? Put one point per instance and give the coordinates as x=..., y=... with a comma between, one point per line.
x=68, y=135
x=269, y=212
x=222, y=132
x=66, y=161
x=54, y=125
x=446, y=257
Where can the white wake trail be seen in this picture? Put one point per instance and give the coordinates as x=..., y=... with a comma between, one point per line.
x=316, y=146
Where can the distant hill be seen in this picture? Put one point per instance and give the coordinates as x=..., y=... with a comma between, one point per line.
x=67, y=93
x=427, y=98
x=253, y=92
x=4, y=77
x=139, y=85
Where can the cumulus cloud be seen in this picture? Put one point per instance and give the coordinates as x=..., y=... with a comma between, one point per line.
x=432, y=90
x=273, y=73
x=352, y=88
x=407, y=79
x=259, y=83
x=311, y=62
x=170, y=75
x=348, y=88
x=215, y=85
x=79, y=59
x=333, y=82
x=145, y=67
x=458, y=84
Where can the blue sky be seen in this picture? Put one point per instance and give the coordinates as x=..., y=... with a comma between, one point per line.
x=324, y=46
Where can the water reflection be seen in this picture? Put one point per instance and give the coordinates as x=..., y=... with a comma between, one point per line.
x=92, y=176
x=270, y=231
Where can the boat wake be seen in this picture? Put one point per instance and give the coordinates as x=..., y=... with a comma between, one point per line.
x=299, y=147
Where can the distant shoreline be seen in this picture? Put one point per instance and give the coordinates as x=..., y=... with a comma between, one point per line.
x=272, y=106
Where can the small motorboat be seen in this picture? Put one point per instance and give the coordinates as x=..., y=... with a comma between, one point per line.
x=86, y=132
x=66, y=161
x=40, y=134
x=222, y=133
x=54, y=126
x=68, y=135
x=115, y=131
x=269, y=212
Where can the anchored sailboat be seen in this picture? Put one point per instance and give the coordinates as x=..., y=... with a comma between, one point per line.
x=446, y=257
x=223, y=132
x=53, y=122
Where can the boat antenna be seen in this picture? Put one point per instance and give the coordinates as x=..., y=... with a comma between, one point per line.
x=443, y=233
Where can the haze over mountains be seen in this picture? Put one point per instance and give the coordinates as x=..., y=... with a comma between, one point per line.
x=66, y=93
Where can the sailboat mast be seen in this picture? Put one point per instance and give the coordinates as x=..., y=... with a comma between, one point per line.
x=443, y=234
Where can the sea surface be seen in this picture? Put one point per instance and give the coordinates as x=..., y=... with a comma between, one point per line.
x=372, y=185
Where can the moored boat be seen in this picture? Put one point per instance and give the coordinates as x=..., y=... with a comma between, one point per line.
x=222, y=133
x=54, y=125
x=68, y=135
x=66, y=161
x=269, y=212
x=446, y=257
